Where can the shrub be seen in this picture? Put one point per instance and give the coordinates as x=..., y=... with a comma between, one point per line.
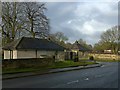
x=76, y=59
x=91, y=58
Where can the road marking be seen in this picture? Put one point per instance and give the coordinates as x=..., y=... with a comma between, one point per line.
x=103, y=66
x=73, y=82
x=86, y=79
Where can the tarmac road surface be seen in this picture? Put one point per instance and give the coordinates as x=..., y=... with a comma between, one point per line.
x=105, y=76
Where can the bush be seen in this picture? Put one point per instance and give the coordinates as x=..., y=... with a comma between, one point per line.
x=91, y=58
x=76, y=59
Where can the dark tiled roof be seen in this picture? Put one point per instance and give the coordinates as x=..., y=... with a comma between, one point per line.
x=80, y=47
x=27, y=43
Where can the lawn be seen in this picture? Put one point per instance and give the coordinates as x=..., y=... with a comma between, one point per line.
x=60, y=64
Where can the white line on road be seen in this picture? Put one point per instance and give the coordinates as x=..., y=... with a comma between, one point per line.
x=102, y=65
x=86, y=79
x=73, y=82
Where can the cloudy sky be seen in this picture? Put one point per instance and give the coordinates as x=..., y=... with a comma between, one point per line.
x=86, y=20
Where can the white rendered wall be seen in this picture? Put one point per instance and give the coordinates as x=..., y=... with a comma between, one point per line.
x=46, y=53
x=26, y=54
x=61, y=55
x=6, y=54
x=19, y=54
x=14, y=54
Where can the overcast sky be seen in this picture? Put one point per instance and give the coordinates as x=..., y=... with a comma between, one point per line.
x=86, y=20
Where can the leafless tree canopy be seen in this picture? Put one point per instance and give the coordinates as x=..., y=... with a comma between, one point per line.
x=35, y=20
x=111, y=35
x=109, y=40
x=23, y=18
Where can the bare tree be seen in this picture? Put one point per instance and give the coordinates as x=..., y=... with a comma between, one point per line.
x=109, y=40
x=59, y=38
x=22, y=18
x=81, y=41
x=111, y=35
x=11, y=22
x=84, y=43
x=35, y=20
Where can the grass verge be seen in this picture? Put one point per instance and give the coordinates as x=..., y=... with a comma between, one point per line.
x=61, y=64
x=106, y=60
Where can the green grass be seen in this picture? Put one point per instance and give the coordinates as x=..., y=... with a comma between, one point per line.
x=104, y=60
x=61, y=64
x=22, y=70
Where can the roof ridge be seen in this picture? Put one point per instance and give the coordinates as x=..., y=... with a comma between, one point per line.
x=43, y=44
x=19, y=40
x=57, y=43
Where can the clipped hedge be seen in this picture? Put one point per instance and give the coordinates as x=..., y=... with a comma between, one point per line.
x=23, y=63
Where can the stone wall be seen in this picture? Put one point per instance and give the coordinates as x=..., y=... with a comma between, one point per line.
x=42, y=54
x=106, y=56
x=25, y=63
x=60, y=56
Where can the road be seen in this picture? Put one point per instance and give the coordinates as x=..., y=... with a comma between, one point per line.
x=105, y=76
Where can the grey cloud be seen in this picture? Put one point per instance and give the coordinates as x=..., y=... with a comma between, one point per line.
x=62, y=13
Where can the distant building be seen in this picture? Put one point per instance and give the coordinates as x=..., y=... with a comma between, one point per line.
x=77, y=51
x=108, y=51
x=118, y=52
x=27, y=47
